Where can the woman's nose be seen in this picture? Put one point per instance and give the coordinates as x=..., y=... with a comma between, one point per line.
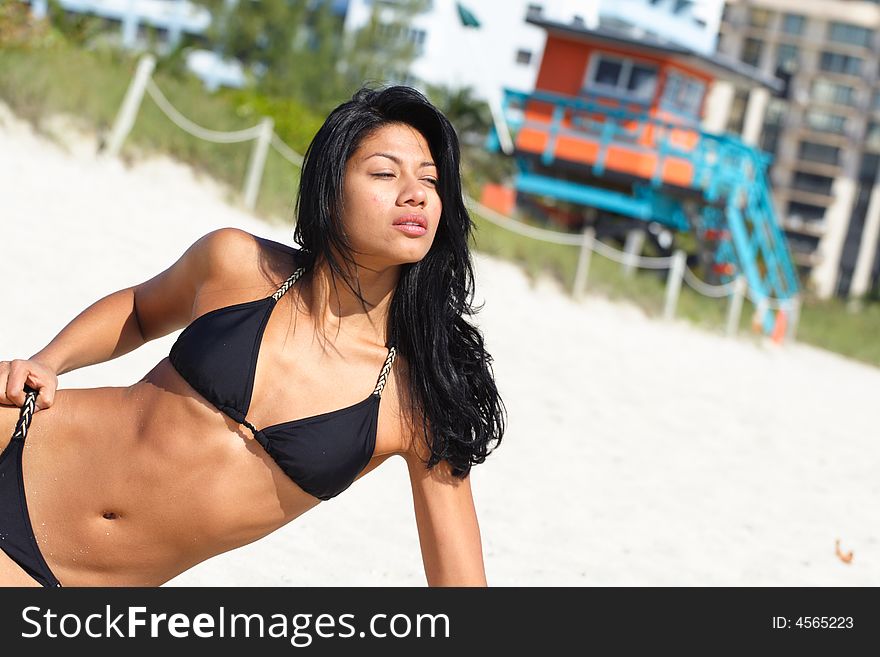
x=414, y=193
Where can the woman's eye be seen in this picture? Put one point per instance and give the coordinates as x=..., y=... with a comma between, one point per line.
x=383, y=175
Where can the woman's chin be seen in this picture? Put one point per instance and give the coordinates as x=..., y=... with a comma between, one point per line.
x=410, y=255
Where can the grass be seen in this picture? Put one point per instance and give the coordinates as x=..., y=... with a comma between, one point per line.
x=832, y=325
x=647, y=288
x=39, y=83
x=91, y=85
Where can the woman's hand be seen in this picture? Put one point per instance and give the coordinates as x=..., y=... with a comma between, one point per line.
x=15, y=374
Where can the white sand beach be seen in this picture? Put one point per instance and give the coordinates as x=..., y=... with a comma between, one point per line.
x=638, y=452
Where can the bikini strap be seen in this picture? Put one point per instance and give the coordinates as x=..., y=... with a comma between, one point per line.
x=386, y=368
x=26, y=414
x=286, y=285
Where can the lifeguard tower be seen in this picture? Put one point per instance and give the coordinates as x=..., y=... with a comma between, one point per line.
x=613, y=130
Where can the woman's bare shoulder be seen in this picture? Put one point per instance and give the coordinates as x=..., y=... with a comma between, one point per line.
x=288, y=256
x=237, y=256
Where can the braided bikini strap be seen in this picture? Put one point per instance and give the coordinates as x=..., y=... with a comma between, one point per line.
x=286, y=285
x=26, y=414
x=383, y=376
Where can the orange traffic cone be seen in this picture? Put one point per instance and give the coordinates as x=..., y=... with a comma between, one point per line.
x=778, y=334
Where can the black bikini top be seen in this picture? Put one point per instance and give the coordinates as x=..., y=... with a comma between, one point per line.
x=217, y=355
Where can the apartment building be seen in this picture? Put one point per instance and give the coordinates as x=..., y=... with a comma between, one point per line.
x=823, y=130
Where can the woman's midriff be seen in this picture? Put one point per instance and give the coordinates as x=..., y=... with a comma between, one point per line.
x=132, y=486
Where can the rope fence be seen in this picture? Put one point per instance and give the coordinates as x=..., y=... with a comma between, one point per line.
x=286, y=151
x=194, y=129
x=264, y=136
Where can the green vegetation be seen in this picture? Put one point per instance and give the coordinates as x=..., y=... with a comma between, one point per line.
x=41, y=82
x=849, y=329
x=42, y=73
x=834, y=324
x=646, y=288
x=298, y=48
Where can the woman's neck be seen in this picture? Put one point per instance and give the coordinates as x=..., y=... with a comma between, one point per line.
x=335, y=308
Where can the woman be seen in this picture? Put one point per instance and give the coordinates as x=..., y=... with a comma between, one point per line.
x=264, y=406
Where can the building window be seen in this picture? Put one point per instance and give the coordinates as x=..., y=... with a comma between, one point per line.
x=418, y=38
x=801, y=243
x=787, y=57
x=776, y=111
x=793, y=24
x=825, y=121
x=759, y=17
x=820, y=153
x=523, y=56
x=805, y=211
x=833, y=62
x=682, y=94
x=812, y=183
x=851, y=35
x=825, y=91
x=751, y=52
x=770, y=138
x=623, y=77
x=395, y=32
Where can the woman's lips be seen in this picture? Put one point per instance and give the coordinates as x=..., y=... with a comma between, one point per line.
x=411, y=229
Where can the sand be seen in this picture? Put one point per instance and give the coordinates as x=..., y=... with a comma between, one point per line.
x=639, y=452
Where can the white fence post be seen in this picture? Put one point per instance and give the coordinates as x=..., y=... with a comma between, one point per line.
x=257, y=163
x=734, y=308
x=791, y=329
x=583, y=266
x=632, y=248
x=130, y=105
x=758, y=316
x=673, y=283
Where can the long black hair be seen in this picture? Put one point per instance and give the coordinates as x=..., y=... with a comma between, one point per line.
x=451, y=382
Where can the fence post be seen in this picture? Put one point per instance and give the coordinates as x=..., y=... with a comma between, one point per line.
x=583, y=266
x=673, y=283
x=130, y=105
x=257, y=163
x=633, y=247
x=758, y=316
x=793, y=320
x=734, y=308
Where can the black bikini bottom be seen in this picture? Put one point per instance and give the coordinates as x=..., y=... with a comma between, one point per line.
x=16, y=533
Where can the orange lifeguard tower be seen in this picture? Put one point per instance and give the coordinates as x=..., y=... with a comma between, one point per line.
x=614, y=126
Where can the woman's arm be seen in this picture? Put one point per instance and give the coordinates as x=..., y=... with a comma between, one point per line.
x=449, y=533
x=116, y=324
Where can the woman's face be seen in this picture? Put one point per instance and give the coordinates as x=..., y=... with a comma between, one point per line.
x=391, y=180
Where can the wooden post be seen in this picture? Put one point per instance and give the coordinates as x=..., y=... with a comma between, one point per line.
x=633, y=248
x=583, y=266
x=734, y=308
x=793, y=320
x=673, y=283
x=257, y=163
x=130, y=105
x=758, y=317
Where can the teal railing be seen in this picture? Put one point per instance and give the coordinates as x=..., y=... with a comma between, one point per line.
x=729, y=177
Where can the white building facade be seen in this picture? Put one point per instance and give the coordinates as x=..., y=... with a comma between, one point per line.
x=504, y=51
